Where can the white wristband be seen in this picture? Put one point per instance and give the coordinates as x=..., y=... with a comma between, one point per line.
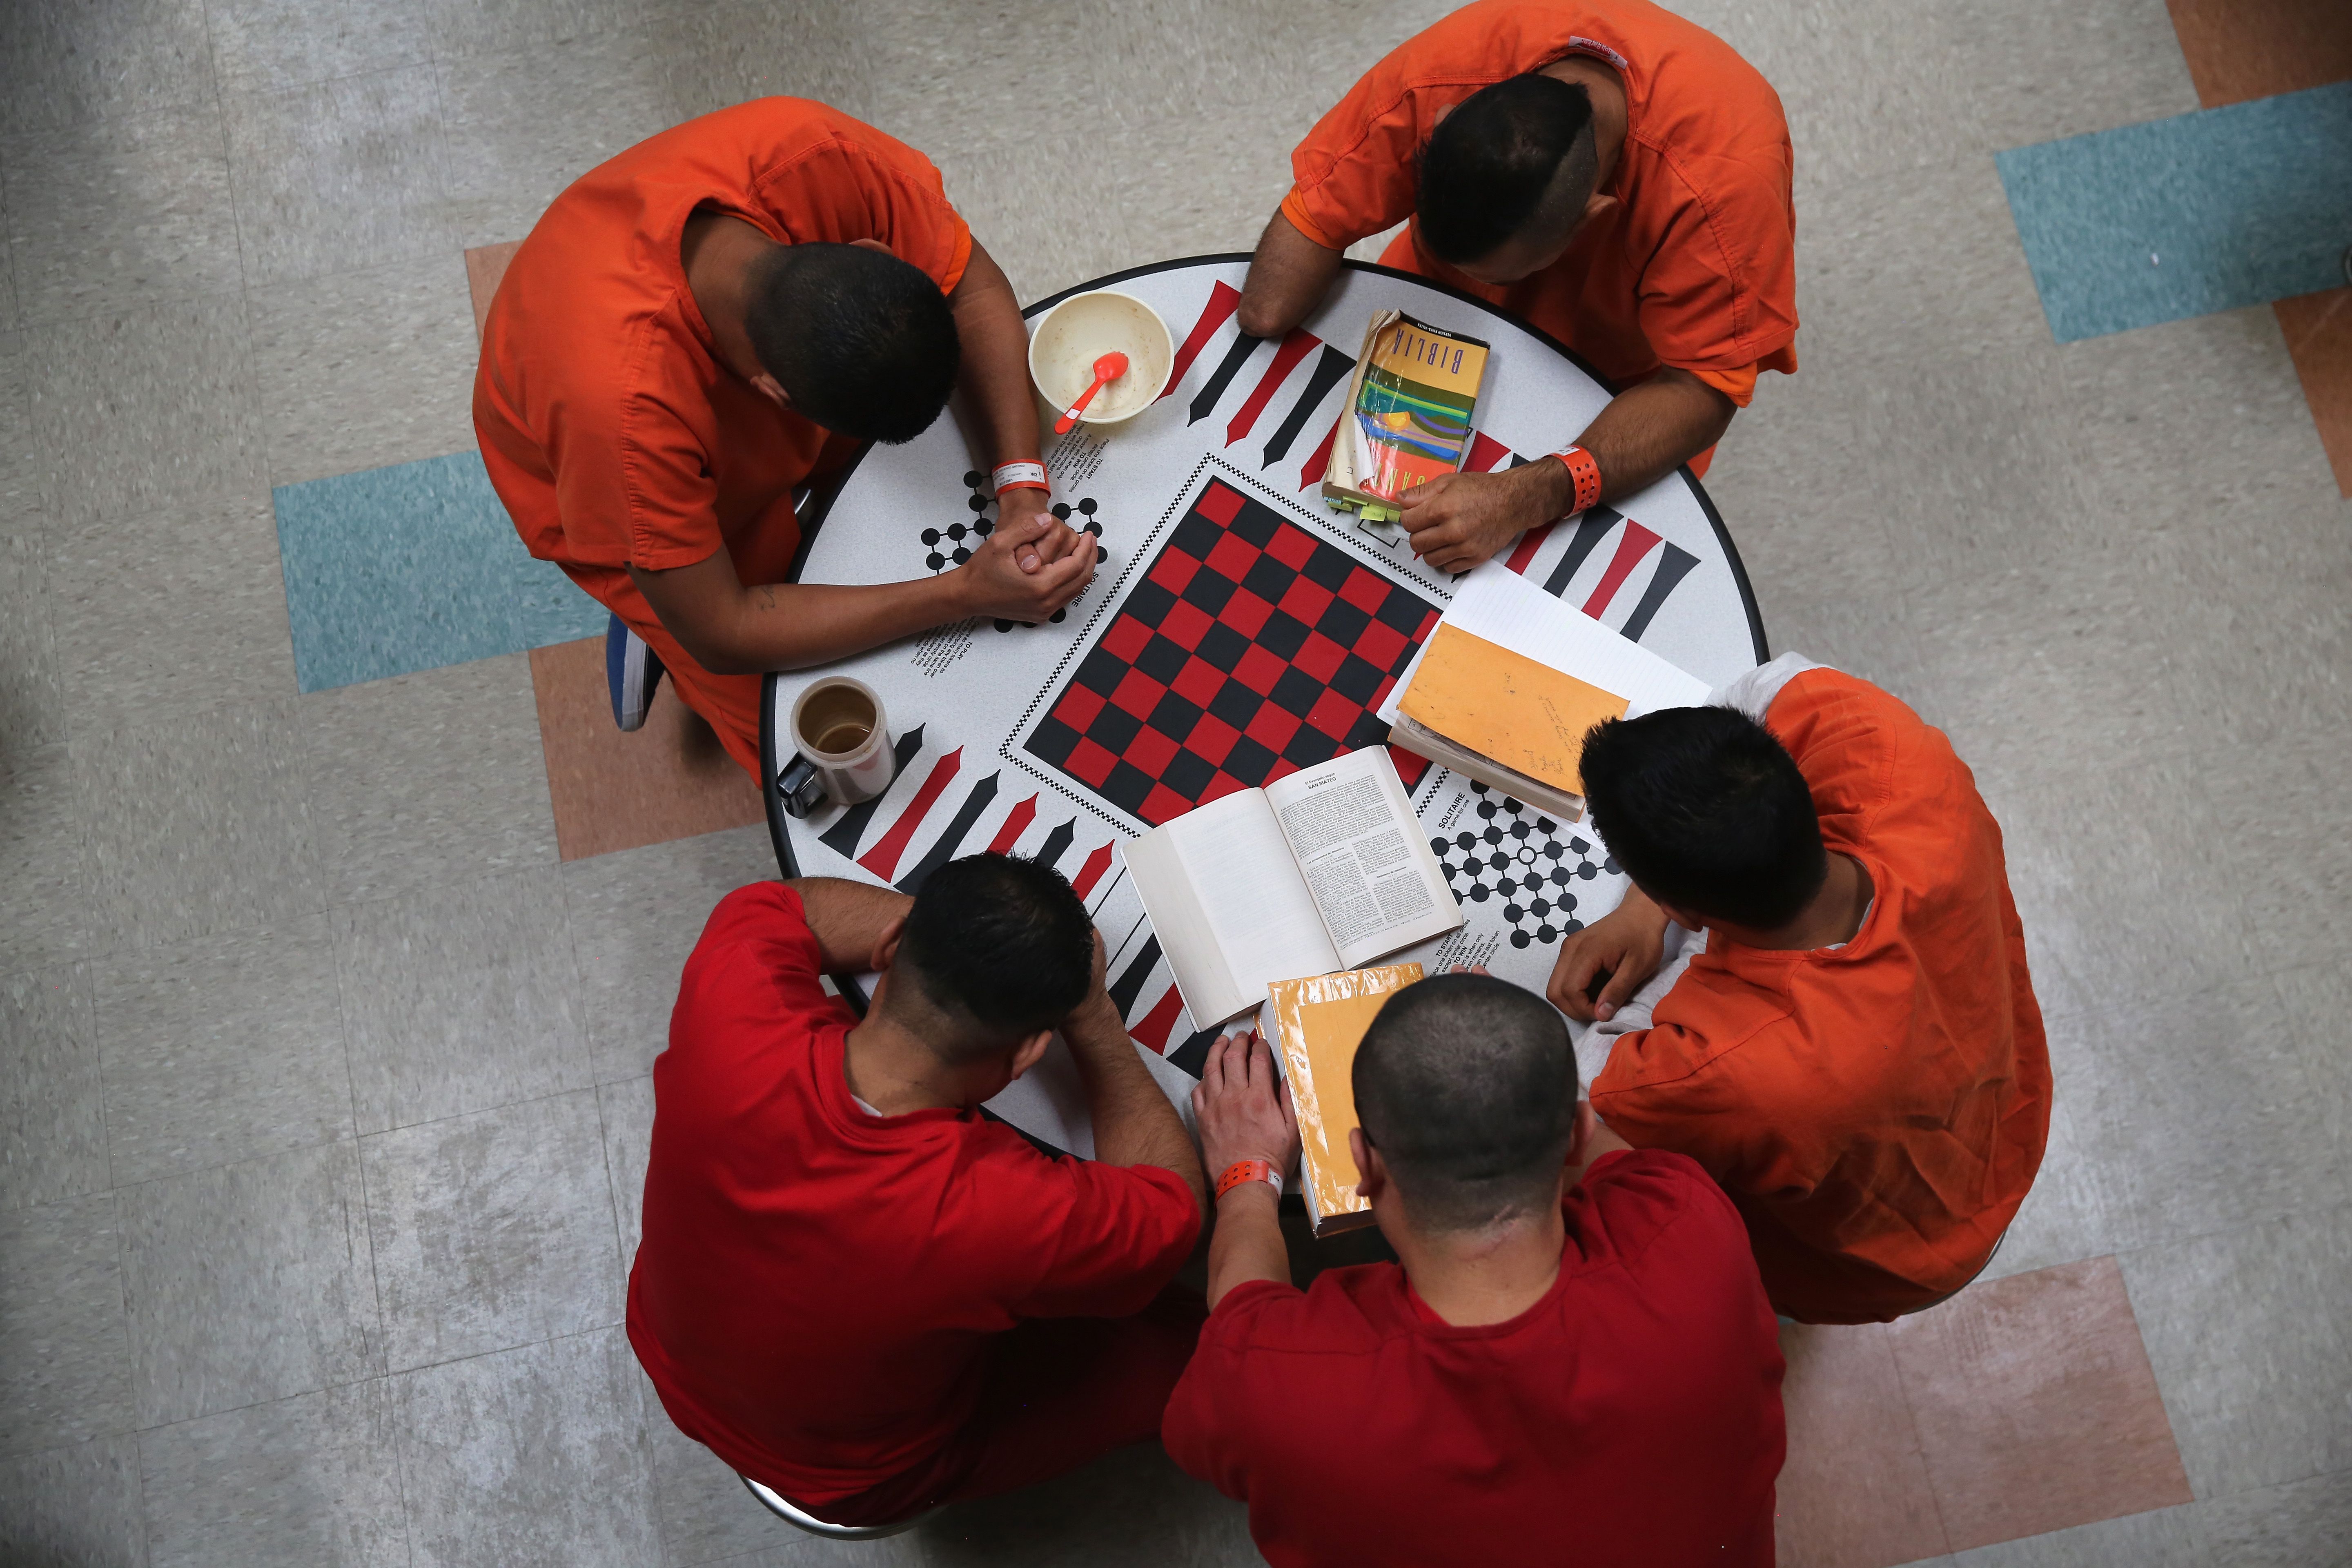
x=1030, y=476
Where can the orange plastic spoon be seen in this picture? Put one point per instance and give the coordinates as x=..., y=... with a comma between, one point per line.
x=1108, y=368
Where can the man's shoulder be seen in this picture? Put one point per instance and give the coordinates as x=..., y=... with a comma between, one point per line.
x=1345, y=1312
x=1656, y=1212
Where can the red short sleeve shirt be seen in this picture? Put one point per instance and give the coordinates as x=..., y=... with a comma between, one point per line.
x=1632, y=1417
x=611, y=431
x=1695, y=269
x=817, y=1287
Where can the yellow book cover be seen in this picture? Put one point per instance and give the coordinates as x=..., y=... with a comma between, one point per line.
x=1522, y=714
x=1318, y=1022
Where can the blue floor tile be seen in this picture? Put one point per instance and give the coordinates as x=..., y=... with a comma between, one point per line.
x=414, y=567
x=2204, y=212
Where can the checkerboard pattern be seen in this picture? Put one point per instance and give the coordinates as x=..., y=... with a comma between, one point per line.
x=1250, y=649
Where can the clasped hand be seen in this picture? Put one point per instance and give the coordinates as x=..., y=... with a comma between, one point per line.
x=1030, y=564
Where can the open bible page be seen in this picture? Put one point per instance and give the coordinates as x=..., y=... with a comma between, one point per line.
x=1227, y=905
x=1366, y=865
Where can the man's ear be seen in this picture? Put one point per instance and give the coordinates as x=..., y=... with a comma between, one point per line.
x=885, y=946
x=1689, y=920
x=1597, y=208
x=1372, y=1171
x=872, y=244
x=769, y=387
x=1580, y=1141
x=1029, y=1051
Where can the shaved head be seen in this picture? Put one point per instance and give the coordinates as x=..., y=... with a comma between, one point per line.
x=1515, y=161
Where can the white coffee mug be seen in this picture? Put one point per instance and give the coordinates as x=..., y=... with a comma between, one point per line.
x=838, y=726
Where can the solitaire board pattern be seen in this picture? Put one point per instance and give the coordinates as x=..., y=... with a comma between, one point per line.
x=1250, y=649
x=1512, y=854
x=951, y=546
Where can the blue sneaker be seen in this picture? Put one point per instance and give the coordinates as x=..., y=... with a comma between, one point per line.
x=631, y=669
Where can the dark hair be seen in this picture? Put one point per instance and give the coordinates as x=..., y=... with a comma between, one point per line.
x=1466, y=1085
x=863, y=343
x=1001, y=947
x=1488, y=167
x=1704, y=808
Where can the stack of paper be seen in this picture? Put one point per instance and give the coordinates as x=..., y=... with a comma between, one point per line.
x=1512, y=679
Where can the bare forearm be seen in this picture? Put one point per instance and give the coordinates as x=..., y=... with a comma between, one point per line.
x=1247, y=1242
x=790, y=625
x=1649, y=431
x=994, y=375
x=1287, y=279
x=1134, y=1124
x=848, y=919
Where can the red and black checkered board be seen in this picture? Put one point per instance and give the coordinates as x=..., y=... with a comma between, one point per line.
x=1250, y=649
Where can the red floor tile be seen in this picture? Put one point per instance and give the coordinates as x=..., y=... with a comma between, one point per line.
x=485, y=265
x=2239, y=49
x=611, y=791
x=1854, y=1491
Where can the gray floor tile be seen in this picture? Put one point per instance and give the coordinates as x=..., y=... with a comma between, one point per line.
x=627, y=1110
x=65, y=1363
x=1130, y=1506
x=524, y=124
x=248, y=1283
x=261, y=45
x=2165, y=1538
x=2245, y=1331
x=2318, y=1002
x=221, y=1049
x=636, y=916
x=708, y=1517
x=144, y=409
x=2285, y=799
x=75, y=1507
x=2297, y=1525
x=536, y=1456
x=493, y=1230
x=198, y=825
x=119, y=212
x=480, y=27
x=458, y=998
x=52, y=1112
x=21, y=488
x=2106, y=870
x=340, y=175
x=131, y=651
x=361, y=370
x=723, y=52
x=44, y=863
x=428, y=779
x=2170, y=1156
x=64, y=63
x=313, y=1479
x=32, y=696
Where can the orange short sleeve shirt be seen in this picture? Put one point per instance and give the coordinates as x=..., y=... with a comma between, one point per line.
x=609, y=427
x=1877, y=1111
x=1697, y=267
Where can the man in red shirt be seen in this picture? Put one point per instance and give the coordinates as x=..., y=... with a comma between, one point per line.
x=1614, y=175
x=853, y=1288
x=1574, y=1363
x=1852, y=1049
x=711, y=319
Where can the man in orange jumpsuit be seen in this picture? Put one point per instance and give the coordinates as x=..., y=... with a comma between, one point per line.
x=698, y=326
x=1852, y=1050
x=1612, y=173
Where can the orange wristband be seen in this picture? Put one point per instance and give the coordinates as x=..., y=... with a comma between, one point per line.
x=1585, y=470
x=1242, y=1171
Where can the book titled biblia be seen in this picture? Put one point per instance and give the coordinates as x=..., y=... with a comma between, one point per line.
x=1511, y=681
x=1326, y=869
x=1317, y=1023
x=1408, y=415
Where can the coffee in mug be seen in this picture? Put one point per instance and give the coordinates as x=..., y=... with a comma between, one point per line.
x=840, y=731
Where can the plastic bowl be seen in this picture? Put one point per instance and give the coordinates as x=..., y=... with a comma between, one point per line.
x=1081, y=330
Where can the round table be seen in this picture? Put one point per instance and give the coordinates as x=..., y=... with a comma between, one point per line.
x=1237, y=628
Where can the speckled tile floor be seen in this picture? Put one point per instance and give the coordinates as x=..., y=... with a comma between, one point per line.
x=274, y=992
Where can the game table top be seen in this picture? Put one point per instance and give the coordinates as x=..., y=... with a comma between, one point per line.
x=1237, y=628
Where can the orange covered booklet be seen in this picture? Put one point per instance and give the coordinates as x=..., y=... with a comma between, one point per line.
x=1317, y=1023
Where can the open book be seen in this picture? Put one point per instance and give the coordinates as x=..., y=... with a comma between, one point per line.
x=1324, y=869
